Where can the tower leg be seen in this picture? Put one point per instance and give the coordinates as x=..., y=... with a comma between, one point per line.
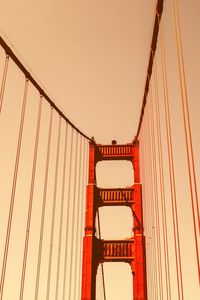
x=89, y=265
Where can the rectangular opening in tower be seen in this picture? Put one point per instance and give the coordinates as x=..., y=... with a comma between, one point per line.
x=118, y=281
x=115, y=222
x=114, y=174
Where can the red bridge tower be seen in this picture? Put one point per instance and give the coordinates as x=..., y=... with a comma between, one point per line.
x=96, y=251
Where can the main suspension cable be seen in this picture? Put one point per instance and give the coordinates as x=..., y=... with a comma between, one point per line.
x=11, y=54
x=3, y=83
x=159, y=10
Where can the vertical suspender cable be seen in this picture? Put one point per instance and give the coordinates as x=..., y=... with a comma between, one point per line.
x=146, y=164
x=3, y=84
x=162, y=186
x=82, y=209
x=155, y=295
x=172, y=173
x=154, y=240
x=30, y=200
x=43, y=206
x=68, y=208
x=150, y=208
x=142, y=171
x=146, y=168
x=149, y=201
x=143, y=180
x=78, y=219
x=181, y=62
x=144, y=136
x=155, y=253
x=53, y=211
x=155, y=184
x=74, y=197
x=61, y=213
x=12, y=200
x=154, y=199
x=187, y=128
x=102, y=269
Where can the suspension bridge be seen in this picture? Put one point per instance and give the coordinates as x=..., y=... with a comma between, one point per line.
x=52, y=243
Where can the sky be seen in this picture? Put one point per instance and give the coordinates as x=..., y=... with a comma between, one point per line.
x=91, y=57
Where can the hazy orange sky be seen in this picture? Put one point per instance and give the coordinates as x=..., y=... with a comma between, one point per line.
x=92, y=57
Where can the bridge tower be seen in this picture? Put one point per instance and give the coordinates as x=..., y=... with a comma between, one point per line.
x=96, y=250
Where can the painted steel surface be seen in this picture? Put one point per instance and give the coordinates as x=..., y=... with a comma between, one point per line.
x=96, y=251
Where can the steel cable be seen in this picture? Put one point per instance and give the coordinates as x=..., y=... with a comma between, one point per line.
x=43, y=206
x=38, y=86
x=61, y=213
x=53, y=211
x=14, y=184
x=3, y=83
x=28, y=225
x=68, y=211
x=156, y=205
x=150, y=208
x=162, y=184
x=102, y=269
x=78, y=218
x=172, y=173
x=154, y=228
x=187, y=128
x=73, y=217
x=84, y=183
